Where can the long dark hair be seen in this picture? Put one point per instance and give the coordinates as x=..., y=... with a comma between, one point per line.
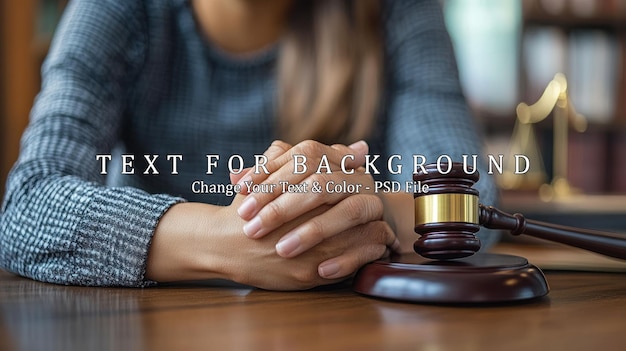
x=329, y=72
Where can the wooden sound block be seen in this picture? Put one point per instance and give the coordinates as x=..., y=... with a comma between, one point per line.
x=481, y=278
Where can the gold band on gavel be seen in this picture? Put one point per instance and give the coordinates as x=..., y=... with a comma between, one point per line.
x=437, y=208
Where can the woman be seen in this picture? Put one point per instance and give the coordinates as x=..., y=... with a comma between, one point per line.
x=171, y=82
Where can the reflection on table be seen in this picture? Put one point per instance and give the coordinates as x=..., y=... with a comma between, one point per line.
x=583, y=311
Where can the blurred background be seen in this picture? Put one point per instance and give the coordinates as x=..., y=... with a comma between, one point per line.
x=26, y=28
x=508, y=52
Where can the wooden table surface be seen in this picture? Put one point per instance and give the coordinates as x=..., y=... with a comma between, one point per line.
x=584, y=311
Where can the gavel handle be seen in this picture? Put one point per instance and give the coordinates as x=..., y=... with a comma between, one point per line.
x=609, y=244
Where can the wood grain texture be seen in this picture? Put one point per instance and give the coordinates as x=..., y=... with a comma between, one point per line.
x=583, y=311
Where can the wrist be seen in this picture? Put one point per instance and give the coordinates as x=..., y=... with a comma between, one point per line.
x=182, y=242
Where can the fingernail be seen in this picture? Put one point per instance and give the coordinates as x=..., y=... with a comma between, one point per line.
x=396, y=246
x=329, y=270
x=360, y=145
x=252, y=228
x=247, y=207
x=287, y=246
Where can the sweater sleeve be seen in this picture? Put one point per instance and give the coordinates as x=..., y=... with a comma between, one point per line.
x=59, y=222
x=428, y=114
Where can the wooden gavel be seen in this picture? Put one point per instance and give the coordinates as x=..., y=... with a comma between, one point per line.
x=448, y=216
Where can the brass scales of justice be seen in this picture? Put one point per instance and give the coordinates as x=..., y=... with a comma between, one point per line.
x=447, y=268
x=554, y=100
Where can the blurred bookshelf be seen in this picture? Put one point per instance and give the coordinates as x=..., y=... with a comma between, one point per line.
x=26, y=28
x=586, y=41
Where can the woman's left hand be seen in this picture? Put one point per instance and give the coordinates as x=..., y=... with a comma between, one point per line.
x=266, y=210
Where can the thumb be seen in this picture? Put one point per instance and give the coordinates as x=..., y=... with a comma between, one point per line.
x=276, y=149
x=358, y=149
x=234, y=178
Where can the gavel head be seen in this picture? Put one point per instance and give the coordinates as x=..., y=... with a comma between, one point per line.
x=447, y=216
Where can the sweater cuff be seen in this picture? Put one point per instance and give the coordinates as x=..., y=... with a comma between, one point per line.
x=115, y=233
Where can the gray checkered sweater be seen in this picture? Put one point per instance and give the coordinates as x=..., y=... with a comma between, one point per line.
x=137, y=76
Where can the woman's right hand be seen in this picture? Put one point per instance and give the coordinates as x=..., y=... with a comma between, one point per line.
x=196, y=241
x=256, y=262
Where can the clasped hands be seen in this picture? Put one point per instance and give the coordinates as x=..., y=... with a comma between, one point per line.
x=343, y=230
x=281, y=240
